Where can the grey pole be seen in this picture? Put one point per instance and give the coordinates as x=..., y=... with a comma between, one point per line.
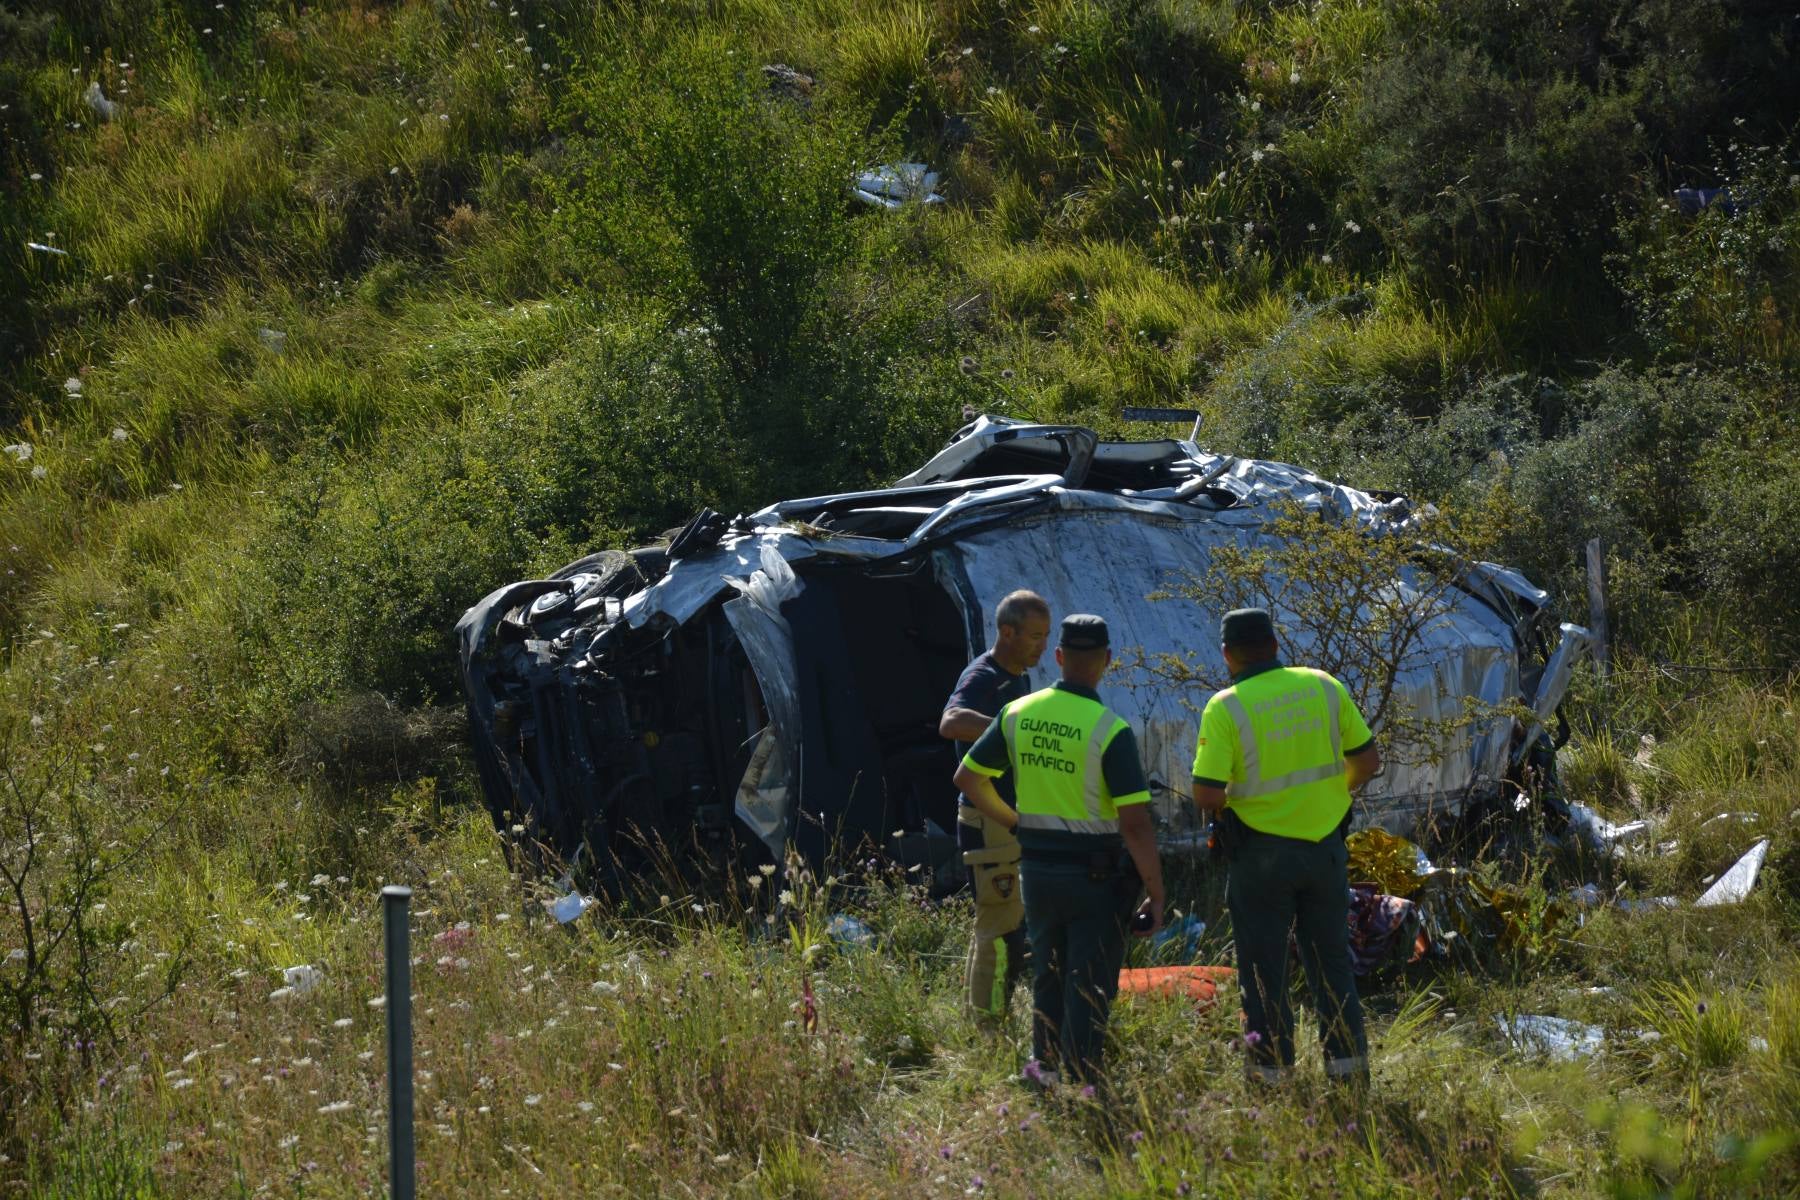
x=395, y=901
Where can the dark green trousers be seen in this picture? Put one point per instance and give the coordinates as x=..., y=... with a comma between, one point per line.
x=1078, y=926
x=1277, y=886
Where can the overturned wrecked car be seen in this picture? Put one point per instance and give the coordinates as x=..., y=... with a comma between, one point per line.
x=776, y=679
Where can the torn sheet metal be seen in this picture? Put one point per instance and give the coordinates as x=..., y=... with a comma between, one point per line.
x=1733, y=886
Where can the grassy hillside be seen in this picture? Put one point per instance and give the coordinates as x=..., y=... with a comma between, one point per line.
x=317, y=322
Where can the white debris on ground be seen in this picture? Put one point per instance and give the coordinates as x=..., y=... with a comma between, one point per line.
x=303, y=978
x=567, y=907
x=1555, y=1037
x=96, y=99
x=893, y=184
x=1736, y=883
x=1603, y=835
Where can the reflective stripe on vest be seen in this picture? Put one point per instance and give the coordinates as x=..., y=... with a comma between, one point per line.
x=1256, y=784
x=1041, y=785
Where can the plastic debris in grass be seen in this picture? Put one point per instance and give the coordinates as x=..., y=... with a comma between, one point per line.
x=567, y=907
x=893, y=184
x=1588, y=895
x=1178, y=941
x=273, y=340
x=847, y=931
x=96, y=99
x=1394, y=865
x=1553, y=1037
x=43, y=249
x=1602, y=835
x=1736, y=883
x=301, y=980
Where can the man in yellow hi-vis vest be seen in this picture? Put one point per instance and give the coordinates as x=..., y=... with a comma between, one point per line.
x=1087, y=845
x=1280, y=751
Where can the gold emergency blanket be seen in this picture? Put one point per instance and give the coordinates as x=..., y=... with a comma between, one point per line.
x=1391, y=863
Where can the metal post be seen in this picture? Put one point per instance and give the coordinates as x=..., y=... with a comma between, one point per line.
x=1596, y=588
x=396, y=925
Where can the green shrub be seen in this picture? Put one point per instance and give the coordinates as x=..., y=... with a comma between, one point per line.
x=689, y=181
x=1465, y=166
x=1719, y=286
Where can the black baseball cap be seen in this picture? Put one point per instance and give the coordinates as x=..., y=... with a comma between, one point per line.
x=1083, y=631
x=1247, y=627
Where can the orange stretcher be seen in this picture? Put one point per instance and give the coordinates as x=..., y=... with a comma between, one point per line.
x=1198, y=984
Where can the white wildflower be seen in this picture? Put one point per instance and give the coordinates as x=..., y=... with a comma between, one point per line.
x=336, y=1106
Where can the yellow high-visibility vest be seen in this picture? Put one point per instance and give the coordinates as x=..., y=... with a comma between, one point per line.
x=1056, y=741
x=1289, y=776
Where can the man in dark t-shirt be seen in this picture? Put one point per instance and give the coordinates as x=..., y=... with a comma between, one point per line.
x=997, y=946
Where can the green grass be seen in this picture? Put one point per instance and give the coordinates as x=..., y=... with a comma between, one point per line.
x=362, y=326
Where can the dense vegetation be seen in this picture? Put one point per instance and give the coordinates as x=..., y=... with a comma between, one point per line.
x=317, y=322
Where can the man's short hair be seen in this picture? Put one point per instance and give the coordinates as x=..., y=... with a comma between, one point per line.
x=1014, y=607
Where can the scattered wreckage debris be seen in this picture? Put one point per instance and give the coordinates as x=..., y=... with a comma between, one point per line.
x=1733, y=886
x=892, y=185
x=776, y=679
x=1556, y=1038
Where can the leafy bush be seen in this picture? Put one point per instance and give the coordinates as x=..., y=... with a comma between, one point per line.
x=688, y=181
x=1720, y=286
x=1466, y=167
